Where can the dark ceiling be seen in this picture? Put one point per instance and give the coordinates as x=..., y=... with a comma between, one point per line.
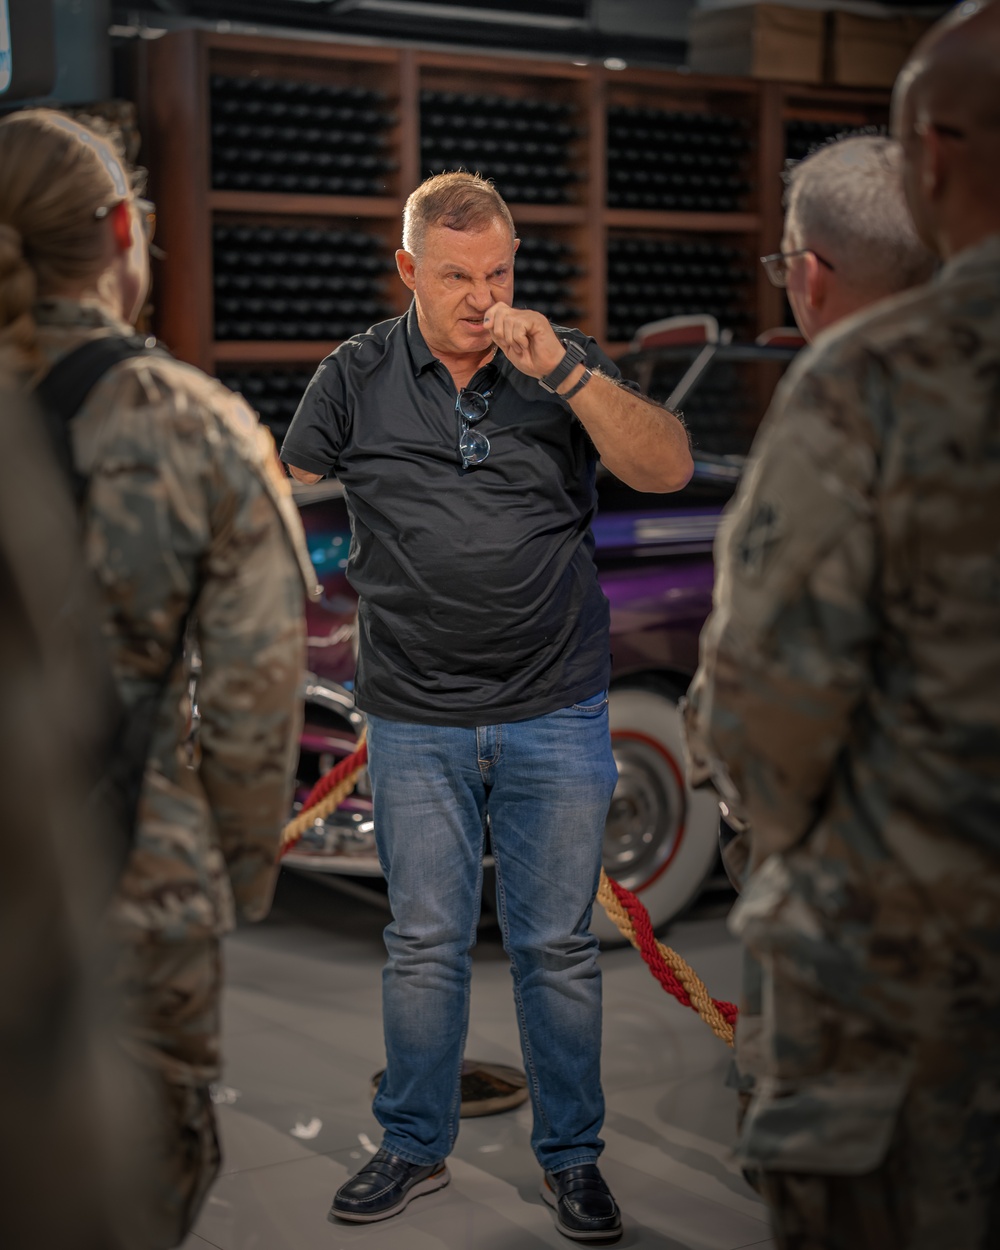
x=584, y=28
x=651, y=31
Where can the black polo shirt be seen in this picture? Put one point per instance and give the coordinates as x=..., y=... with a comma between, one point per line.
x=479, y=599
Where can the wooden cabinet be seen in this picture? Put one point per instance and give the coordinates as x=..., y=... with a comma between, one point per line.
x=280, y=168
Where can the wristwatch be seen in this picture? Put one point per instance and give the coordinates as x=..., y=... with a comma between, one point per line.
x=575, y=355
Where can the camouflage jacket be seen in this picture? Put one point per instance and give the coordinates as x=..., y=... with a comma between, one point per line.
x=847, y=701
x=189, y=523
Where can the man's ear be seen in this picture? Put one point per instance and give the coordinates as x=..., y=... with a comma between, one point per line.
x=934, y=153
x=817, y=282
x=407, y=268
x=121, y=225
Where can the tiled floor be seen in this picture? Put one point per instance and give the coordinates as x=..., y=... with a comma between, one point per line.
x=303, y=1036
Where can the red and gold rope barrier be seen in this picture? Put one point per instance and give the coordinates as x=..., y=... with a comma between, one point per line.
x=624, y=909
x=326, y=795
x=673, y=972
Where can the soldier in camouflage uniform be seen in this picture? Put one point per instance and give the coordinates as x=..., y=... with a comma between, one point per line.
x=848, y=242
x=847, y=704
x=189, y=526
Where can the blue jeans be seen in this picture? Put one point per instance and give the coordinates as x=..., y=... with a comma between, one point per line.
x=546, y=785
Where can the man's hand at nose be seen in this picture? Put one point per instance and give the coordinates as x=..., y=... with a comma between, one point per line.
x=525, y=338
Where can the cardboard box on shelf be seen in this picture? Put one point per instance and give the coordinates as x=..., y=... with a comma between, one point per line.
x=759, y=40
x=869, y=51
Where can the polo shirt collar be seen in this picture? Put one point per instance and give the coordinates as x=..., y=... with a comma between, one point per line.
x=422, y=356
x=420, y=353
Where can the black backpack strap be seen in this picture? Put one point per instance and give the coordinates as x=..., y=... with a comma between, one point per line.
x=62, y=391
x=60, y=395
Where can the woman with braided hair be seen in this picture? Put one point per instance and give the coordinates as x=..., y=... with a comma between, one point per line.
x=190, y=532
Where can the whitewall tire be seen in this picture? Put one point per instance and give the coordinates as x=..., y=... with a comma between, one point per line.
x=662, y=838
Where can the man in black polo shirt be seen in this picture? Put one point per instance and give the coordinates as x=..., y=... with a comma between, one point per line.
x=466, y=434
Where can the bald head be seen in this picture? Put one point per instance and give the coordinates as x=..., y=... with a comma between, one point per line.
x=946, y=113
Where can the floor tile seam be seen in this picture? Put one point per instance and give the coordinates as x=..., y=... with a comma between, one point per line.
x=725, y=1207
x=730, y=1209
x=343, y=1005
x=275, y=1026
x=299, y=1031
x=613, y=1084
x=725, y=1157
x=675, y=1018
x=260, y=1025
x=257, y=1103
x=281, y=1163
x=336, y=1011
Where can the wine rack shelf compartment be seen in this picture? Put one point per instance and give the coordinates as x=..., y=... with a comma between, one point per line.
x=298, y=282
x=653, y=277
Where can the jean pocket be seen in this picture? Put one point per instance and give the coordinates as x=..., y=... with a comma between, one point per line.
x=594, y=706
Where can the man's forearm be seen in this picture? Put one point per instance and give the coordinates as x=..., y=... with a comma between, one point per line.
x=639, y=441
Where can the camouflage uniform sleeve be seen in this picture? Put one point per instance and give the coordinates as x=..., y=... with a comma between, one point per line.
x=786, y=651
x=251, y=637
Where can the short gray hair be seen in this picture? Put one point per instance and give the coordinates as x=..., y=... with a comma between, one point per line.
x=458, y=200
x=846, y=200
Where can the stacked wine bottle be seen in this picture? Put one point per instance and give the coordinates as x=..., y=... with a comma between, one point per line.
x=718, y=412
x=297, y=283
x=650, y=278
x=544, y=274
x=290, y=137
x=273, y=393
x=677, y=161
x=524, y=145
x=803, y=137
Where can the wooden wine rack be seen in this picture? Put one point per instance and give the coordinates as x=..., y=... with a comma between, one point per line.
x=173, y=75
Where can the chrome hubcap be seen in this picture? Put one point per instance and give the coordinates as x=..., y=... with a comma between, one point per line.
x=646, y=818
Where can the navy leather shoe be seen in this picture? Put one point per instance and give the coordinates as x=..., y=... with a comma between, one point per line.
x=585, y=1209
x=383, y=1187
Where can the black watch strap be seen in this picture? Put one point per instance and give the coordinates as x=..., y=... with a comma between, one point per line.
x=587, y=375
x=575, y=355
